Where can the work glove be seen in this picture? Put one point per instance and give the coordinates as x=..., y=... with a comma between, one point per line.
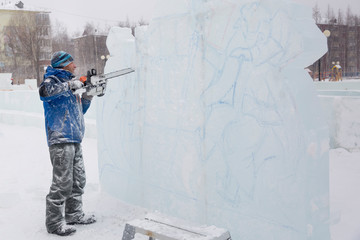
x=86, y=96
x=75, y=84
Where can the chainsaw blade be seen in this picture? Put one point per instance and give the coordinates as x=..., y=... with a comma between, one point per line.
x=117, y=73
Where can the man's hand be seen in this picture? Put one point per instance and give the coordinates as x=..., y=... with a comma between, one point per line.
x=86, y=96
x=75, y=84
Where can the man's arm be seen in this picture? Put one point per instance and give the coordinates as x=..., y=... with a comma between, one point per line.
x=86, y=101
x=50, y=87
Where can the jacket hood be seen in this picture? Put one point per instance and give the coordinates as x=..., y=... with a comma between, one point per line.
x=59, y=73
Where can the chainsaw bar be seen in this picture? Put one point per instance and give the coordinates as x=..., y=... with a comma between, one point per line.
x=116, y=73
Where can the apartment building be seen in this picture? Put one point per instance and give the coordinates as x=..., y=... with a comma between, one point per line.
x=90, y=51
x=16, y=56
x=343, y=50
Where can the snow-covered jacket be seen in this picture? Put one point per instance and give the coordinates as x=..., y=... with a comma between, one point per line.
x=64, y=111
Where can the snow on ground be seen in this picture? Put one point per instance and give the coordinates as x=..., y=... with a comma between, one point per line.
x=25, y=177
x=345, y=194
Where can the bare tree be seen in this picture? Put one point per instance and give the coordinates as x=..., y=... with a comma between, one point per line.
x=357, y=20
x=330, y=15
x=11, y=51
x=89, y=29
x=61, y=40
x=124, y=24
x=132, y=25
x=343, y=18
x=104, y=30
x=24, y=36
x=340, y=18
x=316, y=13
x=349, y=17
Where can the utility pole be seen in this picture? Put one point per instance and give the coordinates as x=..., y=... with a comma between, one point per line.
x=319, y=70
x=96, y=51
x=327, y=34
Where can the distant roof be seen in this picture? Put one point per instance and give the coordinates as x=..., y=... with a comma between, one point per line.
x=20, y=6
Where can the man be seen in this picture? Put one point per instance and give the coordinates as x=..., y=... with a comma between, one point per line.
x=64, y=122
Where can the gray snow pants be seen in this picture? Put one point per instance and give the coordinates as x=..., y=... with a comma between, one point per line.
x=65, y=195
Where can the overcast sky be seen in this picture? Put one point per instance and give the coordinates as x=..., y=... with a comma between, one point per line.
x=75, y=13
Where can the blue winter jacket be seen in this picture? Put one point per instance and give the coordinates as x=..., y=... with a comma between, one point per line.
x=64, y=111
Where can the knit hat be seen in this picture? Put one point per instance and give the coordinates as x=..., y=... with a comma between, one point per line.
x=61, y=59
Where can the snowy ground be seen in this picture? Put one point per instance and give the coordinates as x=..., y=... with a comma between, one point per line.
x=344, y=195
x=25, y=176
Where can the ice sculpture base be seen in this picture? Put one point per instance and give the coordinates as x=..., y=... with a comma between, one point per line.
x=164, y=228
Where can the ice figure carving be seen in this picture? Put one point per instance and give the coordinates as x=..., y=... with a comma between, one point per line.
x=220, y=123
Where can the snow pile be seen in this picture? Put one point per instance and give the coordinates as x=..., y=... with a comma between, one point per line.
x=220, y=124
x=339, y=100
x=23, y=107
x=343, y=117
x=5, y=81
x=30, y=84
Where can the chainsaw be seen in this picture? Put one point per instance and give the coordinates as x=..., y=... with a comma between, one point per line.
x=95, y=85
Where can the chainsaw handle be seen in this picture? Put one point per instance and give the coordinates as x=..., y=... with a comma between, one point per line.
x=90, y=73
x=82, y=79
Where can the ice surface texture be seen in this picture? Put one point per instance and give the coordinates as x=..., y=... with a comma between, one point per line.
x=220, y=123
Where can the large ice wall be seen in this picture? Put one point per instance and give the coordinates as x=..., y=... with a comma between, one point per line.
x=220, y=123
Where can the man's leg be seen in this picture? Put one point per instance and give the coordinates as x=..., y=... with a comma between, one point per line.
x=73, y=206
x=62, y=156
